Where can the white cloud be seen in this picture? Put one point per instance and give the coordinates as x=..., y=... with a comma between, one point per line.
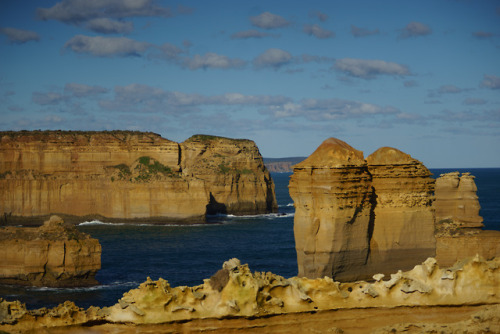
x=368, y=69
x=329, y=109
x=108, y=26
x=274, y=58
x=414, y=29
x=19, y=36
x=363, y=32
x=212, y=60
x=80, y=90
x=49, y=98
x=268, y=20
x=491, y=81
x=106, y=46
x=252, y=33
x=319, y=15
x=317, y=31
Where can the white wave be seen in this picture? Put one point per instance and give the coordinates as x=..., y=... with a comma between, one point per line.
x=289, y=204
x=87, y=288
x=98, y=222
x=264, y=215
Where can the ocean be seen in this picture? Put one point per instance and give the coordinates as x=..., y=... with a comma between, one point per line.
x=187, y=254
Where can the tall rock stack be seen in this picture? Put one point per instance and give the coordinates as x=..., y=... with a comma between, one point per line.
x=332, y=192
x=403, y=230
x=457, y=201
x=458, y=223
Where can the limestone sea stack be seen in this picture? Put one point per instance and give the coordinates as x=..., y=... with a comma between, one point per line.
x=459, y=231
x=403, y=228
x=55, y=255
x=121, y=175
x=332, y=194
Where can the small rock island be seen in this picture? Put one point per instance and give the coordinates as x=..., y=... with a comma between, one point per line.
x=55, y=255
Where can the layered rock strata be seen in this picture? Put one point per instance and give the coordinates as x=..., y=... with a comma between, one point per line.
x=235, y=291
x=130, y=175
x=457, y=201
x=332, y=194
x=403, y=228
x=55, y=255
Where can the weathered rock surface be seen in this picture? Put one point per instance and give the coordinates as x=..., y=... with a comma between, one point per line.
x=237, y=292
x=54, y=254
x=456, y=200
x=129, y=175
x=332, y=194
x=403, y=229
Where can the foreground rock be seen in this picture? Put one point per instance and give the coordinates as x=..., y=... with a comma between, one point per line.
x=333, y=194
x=403, y=226
x=55, y=255
x=129, y=175
x=235, y=291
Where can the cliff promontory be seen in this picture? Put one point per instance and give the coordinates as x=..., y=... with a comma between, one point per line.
x=130, y=175
x=55, y=255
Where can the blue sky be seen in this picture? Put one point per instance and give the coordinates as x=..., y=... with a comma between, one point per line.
x=421, y=76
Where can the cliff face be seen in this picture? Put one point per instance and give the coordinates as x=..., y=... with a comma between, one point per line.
x=234, y=174
x=332, y=194
x=403, y=230
x=51, y=255
x=122, y=175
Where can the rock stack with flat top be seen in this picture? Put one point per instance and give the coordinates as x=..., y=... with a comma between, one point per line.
x=54, y=255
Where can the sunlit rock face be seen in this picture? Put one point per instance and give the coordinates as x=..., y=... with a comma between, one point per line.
x=55, y=255
x=129, y=175
x=457, y=201
x=403, y=229
x=332, y=193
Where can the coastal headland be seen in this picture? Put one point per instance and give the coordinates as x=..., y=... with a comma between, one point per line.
x=129, y=176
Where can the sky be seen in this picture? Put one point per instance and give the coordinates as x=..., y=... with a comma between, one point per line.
x=421, y=76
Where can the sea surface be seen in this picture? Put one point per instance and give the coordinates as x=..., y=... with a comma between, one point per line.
x=187, y=254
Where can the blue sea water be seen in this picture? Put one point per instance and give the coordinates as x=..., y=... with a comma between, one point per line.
x=185, y=255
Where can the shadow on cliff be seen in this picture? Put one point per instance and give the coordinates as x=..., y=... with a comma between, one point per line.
x=215, y=208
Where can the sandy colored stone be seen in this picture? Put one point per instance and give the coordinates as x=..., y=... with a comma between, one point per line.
x=129, y=175
x=54, y=254
x=258, y=294
x=332, y=194
x=403, y=227
x=457, y=201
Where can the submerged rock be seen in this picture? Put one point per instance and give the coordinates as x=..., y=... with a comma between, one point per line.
x=55, y=255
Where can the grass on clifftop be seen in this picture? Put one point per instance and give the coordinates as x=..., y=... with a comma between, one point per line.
x=208, y=138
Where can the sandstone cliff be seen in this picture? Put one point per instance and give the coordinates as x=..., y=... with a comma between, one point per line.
x=128, y=175
x=403, y=229
x=235, y=291
x=282, y=165
x=54, y=254
x=332, y=194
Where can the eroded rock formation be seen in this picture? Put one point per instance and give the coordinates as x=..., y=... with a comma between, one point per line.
x=130, y=175
x=456, y=200
x=332, y=193
x=54, y=254
x=237, y=292
x=403, y=229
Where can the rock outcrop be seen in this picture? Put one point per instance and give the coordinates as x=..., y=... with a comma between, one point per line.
x=129, y=175
x=456, y=200
x=333, y=195
x=235, y=291
x=458, y=223
x=55, y=255
x=403, y=229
